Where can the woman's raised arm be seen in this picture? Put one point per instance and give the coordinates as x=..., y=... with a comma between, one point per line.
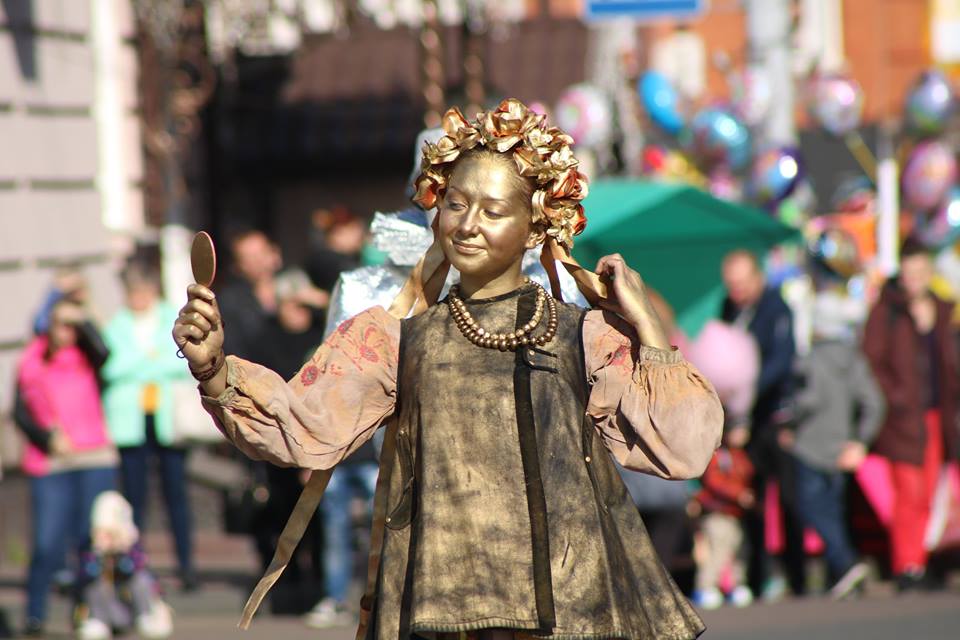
x=653, y=409
x=332, y=406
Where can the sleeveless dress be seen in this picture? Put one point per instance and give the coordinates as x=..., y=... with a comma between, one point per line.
x=505, y=509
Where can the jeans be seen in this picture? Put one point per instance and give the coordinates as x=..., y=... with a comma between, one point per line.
x=135, y=468
x=820, y=500
x=773, y=463
x=61, y=504
x=348, y=480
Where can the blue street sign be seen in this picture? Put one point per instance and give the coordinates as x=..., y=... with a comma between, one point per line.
x=642, y=9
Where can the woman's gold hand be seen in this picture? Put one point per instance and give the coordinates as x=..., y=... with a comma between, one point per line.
x=627, y=297
x=198, y=330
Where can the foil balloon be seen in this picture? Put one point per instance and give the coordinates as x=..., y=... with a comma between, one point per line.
x=583, y=111
x=661, y=102
x=930, y=104
x=654, y=159
x=836, y=102
x=723, y=184
x=854, y=195
x=775, y=175
x=836, y=250
x=539, y=108
x=929, y=173
x=942, y=227
x=718, y=136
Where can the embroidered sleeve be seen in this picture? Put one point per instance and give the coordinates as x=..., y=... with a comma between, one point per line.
x=325, y=412
x=653, y=409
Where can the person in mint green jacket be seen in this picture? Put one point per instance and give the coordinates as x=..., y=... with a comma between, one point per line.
x=138, y=402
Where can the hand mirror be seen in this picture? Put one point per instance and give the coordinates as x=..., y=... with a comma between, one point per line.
x=203, y=259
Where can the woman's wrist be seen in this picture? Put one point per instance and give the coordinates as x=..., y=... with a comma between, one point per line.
x=644, y=320
x=210, y=370
x=215, y=386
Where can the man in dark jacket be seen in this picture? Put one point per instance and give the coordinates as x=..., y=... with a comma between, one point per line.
x=752, y=305
x=248, y=300
x=909, y=343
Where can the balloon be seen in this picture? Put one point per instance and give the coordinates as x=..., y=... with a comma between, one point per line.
x=660, y=101
x=930, y=104
x=930, y=171
x=654, y=158
x=943, y=226
x=836, y=103
x=719, y=136
x=723, y=184
x=836, y=250
x=776, y=173
x=752, y=95
x=728, y=357
x=539, y=108
x=854, y=195
x=584, y=112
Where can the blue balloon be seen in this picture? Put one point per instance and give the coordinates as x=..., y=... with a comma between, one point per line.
x=930, y=104
x=776, y=173
x=661, y=102
x=719, y=136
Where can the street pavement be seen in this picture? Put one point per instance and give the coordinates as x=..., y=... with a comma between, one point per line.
x=213, y=611
x=228, y=568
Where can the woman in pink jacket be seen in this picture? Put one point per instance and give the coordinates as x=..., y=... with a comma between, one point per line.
x=69, y=457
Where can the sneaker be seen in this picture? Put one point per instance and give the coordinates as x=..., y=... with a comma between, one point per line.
x=94, y=629
x=156, y=623
x=774, y=590
x=850, y=581
x=741, y=596
x=708, y=599
x=328, y=613
x=918, y=580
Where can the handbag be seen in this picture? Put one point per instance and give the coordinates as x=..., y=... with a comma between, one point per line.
x=191, y=422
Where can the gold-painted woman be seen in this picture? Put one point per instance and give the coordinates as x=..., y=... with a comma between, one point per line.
x=503, y=512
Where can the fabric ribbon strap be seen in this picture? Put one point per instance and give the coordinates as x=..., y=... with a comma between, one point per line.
x=421, y=290
x=589, y=283
x=292, y=533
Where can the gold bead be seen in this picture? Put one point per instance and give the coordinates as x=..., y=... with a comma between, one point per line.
x=513, y=342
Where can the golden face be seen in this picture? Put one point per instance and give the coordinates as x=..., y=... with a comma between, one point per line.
x=485, y=223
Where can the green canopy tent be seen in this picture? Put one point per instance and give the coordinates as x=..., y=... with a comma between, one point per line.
x=675, y=236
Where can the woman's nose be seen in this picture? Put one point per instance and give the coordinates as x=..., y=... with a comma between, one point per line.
x=469, y=222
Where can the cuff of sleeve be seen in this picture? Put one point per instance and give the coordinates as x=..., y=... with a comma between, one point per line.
x=660, y=356
x=234, y=384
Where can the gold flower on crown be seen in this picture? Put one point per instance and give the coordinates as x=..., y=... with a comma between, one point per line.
x=542, y=153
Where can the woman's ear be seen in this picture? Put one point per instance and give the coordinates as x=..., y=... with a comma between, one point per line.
x=536, y=237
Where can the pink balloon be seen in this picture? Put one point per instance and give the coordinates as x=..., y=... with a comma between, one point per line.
x=729, y=358
x=929, y=173
x=836, y=102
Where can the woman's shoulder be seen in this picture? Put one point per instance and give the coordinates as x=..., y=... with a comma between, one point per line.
x=32, y=354
x=373, y=319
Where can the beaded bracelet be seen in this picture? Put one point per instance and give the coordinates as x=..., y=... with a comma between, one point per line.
x=206, y=374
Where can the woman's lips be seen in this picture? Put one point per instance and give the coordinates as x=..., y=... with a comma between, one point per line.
x=467, y=249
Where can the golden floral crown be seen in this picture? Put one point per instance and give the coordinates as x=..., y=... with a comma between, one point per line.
x=540, y=152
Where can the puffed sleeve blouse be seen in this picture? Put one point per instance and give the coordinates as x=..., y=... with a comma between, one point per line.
x=653, y=410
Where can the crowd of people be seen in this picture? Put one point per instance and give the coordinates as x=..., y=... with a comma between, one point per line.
x=96, y=404
x=872, y=397
x=96, y=409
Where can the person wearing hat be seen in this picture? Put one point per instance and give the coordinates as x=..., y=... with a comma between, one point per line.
x=838, y=410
